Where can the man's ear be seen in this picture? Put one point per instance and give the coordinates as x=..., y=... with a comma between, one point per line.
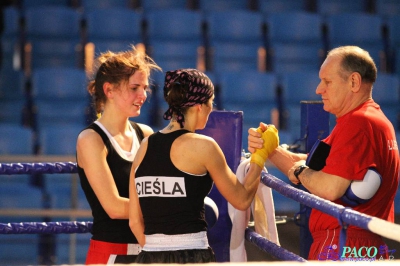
x=356, y=80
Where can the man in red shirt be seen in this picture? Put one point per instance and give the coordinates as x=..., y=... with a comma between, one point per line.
x=363, y=138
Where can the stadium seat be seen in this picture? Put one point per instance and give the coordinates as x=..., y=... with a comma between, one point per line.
x=15, y=139
x=252, y=92
x=276, y=6
x=386, y=92
x=328, y=7
x=113, y=29
x=220, y=5
x=364, y=30
x=173, y=40
x=295, y=41
x=234, y=40
x=149, y=5
x=296, y=87
x=393, y=42
x=54, y=34
x=12, y=96
x=60, y=96
x=174, y=35
x=11, y=39
x=38, y=3
x=387, y=8
x=88, y=5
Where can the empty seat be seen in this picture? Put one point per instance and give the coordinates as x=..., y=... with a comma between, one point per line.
x=37, y=3
x=60, y=140
x=15, y=139
x=386, y=92
x=252, y=92
x=60, y=96
x=113, y=29
x=54, y=34
x=277, y=6
x=11, y=39
x=327, y=7
x=12, y=96
x=296, y=87
x=387, y=8
x=88, y=5
x=364, y=30
x=174, y=35
x=393, y=42
x=149, y=5
x=235, y=40
x=295, y=41
x=214, y=5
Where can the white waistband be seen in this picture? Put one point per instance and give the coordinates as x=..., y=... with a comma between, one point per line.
x=161, y=242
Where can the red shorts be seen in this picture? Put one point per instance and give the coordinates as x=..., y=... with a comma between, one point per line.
x=106, y=253
x=360, y=245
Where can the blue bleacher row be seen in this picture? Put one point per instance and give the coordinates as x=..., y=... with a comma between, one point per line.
x=267, y=6
x=262, y=55
x=269, y=47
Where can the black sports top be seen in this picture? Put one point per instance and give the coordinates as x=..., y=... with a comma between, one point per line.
x=172, y=201
x=104, y=228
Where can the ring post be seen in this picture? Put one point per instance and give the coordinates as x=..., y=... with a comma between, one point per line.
x=314, y=126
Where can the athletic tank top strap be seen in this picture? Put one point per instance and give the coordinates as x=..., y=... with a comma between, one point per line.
x=139, y=132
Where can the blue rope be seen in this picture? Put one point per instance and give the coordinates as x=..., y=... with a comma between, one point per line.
x=46, y=228
x=270, y=247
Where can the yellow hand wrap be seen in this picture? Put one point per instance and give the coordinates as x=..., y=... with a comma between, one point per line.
x=271, y=142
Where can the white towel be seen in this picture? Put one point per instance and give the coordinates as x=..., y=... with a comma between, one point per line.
x=263, y=211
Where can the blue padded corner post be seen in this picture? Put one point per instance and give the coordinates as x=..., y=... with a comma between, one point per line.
x=314, y=126
x=226, y=128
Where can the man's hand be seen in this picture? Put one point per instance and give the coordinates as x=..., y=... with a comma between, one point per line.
x=290, y=173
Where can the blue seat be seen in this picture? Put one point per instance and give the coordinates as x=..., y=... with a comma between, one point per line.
x=327, y=7
x=387, y=8
x=235, y=39
x=11, y=243
x=295, y=41
x=386, y=92
x=393, y=42
x=60, y=96
x=174, y=35
x=214, y=5
x=113, y=29
x=12, y=96
x=364, y=30
x=54, y=33
x=277, y=6
x=296, y=87
x=10, y=39
x=173, y=40
x=59, y=140
x=15, y=139
x=149, y=5
x=252, y=92
x=104, y=4
x=37, y=3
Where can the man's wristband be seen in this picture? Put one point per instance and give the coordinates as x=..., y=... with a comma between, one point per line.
x=298, y=171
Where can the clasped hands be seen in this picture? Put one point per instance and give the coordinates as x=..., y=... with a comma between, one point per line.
x=262, y=142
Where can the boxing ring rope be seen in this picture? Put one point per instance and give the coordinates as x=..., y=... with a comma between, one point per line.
x=345, y=215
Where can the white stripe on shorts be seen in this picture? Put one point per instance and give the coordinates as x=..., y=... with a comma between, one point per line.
x=161, y=242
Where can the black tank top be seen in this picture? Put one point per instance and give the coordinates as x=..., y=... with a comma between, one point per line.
x=104, y=228
x=172, y=201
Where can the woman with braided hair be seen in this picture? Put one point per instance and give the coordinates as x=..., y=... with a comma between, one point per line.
x=174, y=171
x=106, y=148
